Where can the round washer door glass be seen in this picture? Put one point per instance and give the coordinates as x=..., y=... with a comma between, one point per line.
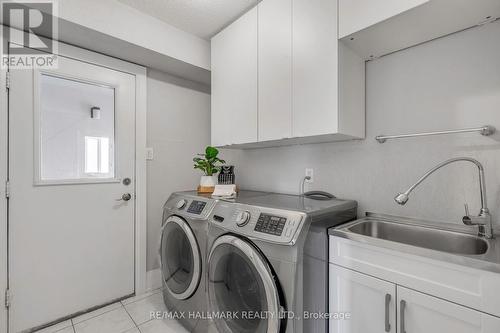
x=242, y=288
x=180, y=258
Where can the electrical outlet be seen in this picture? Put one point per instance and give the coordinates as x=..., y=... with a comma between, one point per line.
x=310, y=173
x=149, y=154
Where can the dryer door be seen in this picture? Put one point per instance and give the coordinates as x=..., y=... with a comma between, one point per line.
x=243, y=291
x=180, y=258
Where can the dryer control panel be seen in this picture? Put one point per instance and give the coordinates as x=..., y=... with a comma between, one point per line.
x=196, y=207
x=273, y=225
x=189, y=206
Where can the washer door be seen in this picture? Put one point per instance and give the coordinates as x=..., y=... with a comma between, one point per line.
x=243, y=294
x=180, y=258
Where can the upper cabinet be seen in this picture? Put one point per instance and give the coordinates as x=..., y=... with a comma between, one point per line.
x=310, y=87
x=315, y=67
x=293, y=71
x=376, y=28
x=275, y=75
x=357, y=15
x=234, y=82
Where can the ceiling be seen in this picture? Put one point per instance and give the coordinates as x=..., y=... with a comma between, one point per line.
x=203, y=18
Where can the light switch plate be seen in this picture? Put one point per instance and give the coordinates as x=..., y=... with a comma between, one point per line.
x=149, y=154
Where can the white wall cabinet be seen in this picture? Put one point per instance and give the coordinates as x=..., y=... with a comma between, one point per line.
x=234, y=82
x=375, y=28
x=373, y=303
x=275, y=75
x=356, y=15
x=310, y=87
x=315, y=67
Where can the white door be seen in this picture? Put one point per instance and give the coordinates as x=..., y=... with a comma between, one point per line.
x=71, y=148
x=370, y=302
x=420, y=313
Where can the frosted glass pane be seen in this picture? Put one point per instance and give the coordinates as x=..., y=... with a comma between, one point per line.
x=77, y=131
x=104, y=155
x=91, y=154
x=96, y=155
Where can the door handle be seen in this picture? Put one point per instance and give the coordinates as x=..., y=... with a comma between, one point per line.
x=125, y=197
x=402, y=308
x=387, y=318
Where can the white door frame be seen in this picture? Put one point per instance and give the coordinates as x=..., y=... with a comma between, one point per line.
x=3, y=200
x=140, y=165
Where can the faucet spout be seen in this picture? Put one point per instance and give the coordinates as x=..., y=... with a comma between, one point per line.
x=484, y=218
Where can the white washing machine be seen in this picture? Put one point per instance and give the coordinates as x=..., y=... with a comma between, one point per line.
x=268, y=262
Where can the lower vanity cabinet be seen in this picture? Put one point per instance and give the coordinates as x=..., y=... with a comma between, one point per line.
x=376, y=306
x=421, y=313
x=370, y=302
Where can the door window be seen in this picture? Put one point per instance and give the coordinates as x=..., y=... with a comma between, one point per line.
x=76, y=130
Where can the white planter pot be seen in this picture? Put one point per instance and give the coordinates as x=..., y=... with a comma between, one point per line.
x=208, y=181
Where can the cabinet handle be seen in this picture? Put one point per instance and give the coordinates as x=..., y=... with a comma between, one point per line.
x=387, y=319
x=402, y=308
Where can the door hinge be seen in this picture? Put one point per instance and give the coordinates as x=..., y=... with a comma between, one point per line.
x=7, y=189
x=7, y=80
x=8, y=298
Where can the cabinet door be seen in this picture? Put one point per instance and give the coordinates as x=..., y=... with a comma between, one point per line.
x=356, y=15
x=315, y=68
x=369, y=301
x=420, y=313
x=234, y=82
x=275, y=69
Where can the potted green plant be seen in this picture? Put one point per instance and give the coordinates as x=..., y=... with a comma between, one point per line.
x=210, y=164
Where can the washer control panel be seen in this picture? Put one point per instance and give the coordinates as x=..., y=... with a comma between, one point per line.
x=273, y=225
x=270, y=224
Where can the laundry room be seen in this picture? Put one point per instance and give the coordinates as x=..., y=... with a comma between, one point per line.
x=249, y=166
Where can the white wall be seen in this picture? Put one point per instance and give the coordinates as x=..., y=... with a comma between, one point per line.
x=178, y=127
x=449, y=83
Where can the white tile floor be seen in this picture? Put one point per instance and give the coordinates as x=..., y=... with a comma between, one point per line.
x=128, y=316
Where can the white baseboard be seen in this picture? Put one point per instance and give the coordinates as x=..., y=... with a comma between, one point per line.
x=153, y=279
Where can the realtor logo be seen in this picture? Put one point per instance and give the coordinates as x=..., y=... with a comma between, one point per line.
x=29, y=34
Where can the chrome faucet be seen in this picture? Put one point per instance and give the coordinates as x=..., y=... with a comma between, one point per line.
x=483, y=220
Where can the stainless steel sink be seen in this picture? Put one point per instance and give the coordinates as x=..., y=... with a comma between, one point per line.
x=445, y=242
x=430, y=238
